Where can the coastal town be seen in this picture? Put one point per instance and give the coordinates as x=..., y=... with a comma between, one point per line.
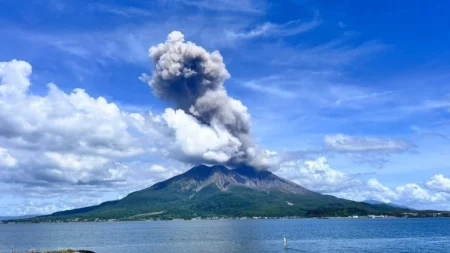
x=371, y=216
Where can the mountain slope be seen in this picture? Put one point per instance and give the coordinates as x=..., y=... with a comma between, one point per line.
x=218, y=191
x=376, y=202
x=18, y=217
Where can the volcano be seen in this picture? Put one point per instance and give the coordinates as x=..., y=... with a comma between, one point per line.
x=216, y=191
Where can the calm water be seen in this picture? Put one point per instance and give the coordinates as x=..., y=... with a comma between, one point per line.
x=334, y=235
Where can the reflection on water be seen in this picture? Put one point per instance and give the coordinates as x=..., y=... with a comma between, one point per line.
x=334, y=235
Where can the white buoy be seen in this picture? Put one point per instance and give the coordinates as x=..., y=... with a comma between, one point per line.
x=285, y=241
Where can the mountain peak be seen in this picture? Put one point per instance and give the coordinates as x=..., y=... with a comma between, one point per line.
x=201, y=172
x=219, y=176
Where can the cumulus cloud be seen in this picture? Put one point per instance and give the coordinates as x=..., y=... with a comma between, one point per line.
x=74, y=122
x=75, y=162
x=370, y=190
x=377, y=191
x=317, y=175
x=59, y=143
x=411, y=194
x=14, y=78
x=57, y=169
x=64, y=138
x=439, y=183
x=209, y=126
x=201, y=142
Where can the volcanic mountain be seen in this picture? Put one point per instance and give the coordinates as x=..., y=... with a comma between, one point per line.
x=216, y=191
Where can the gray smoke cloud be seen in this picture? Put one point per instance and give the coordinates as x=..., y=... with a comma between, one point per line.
x=193, y=79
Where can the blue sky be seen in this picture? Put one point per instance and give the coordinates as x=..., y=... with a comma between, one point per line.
x=353, y=97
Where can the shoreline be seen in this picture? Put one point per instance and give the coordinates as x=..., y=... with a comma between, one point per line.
x=217, y=218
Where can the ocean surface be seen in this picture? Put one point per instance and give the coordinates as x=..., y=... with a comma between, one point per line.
x=225, y=236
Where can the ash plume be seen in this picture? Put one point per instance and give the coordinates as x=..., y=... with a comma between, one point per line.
x=193, y=79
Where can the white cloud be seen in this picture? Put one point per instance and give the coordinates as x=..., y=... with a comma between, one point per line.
x=31, y=207
x=178, y=135
x=129, y=43
x=413, y=192
x=74, y=122
x=280, y=30
x=428, y=133
x=160, y=172
x=373, y=151
x=6, y=160
x=121, y=10
x=65, y=136
x=14, y=78
x=439, y=183
x=379, y=192
x=153, y=127
x=78, y=169
x=356, y=97
x=316, y=175
x=51, y=205
x=198, y=141
x=428, y=105
x=157, y=168
x=370, y=190
x=89, y=186
x=62, y=138
x=412, y=195
x=335, y=53
x=74, y=162
x=246, y=6
x=346, y=143
x=269, y=89
x=319, y=176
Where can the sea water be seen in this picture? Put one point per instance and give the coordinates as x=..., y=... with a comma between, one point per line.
x=225, y=236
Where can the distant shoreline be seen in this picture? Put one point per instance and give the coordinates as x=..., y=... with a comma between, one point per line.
x=217, y=218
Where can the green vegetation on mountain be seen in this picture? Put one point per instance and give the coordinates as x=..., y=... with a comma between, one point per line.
x=217, y=191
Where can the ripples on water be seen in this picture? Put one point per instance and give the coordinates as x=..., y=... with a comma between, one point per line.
x=225, y=236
